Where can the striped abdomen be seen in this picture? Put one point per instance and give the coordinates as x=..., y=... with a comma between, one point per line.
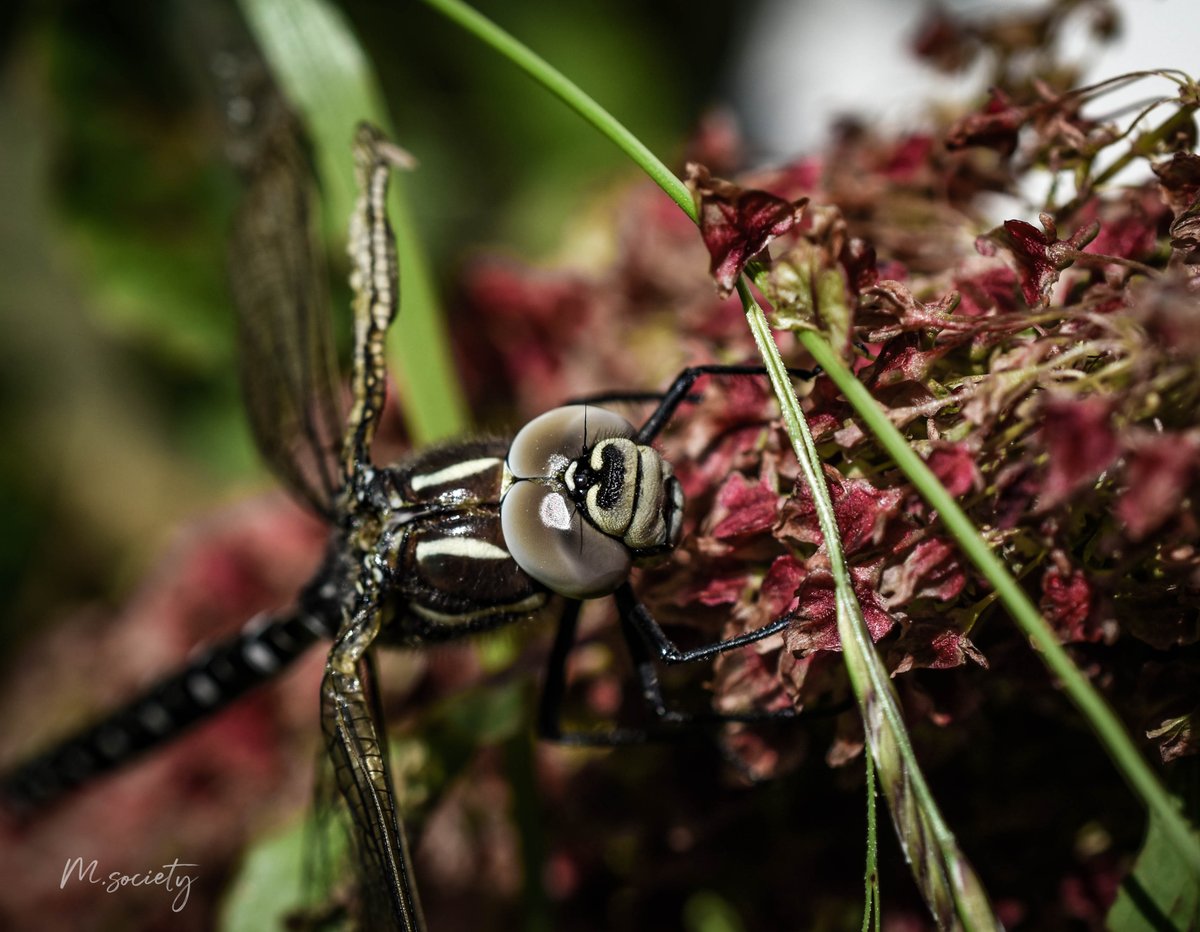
x=216, y=677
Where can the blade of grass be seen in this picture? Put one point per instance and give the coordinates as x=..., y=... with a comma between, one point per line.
x=569, y=93
x=327, y=77
x=872, y=914
x=945, y=877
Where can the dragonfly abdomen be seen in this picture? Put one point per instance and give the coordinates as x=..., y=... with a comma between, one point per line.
x=214, y=678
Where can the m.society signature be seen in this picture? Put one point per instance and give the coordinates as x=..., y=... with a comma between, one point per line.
x=169, y=877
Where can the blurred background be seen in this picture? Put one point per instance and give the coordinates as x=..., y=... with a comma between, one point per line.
x=119, y=407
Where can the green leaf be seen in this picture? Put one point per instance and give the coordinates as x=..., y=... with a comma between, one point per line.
x=705, y=911
x=272, y=882
x=326, y=75
x=1162, y=892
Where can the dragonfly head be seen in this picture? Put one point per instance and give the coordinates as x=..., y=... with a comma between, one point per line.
x=586, y=501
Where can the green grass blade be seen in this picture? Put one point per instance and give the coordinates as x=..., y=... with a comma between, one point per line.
x=945, y=877
x=872, y=915
x=327, y=77
x=571, y=94
x=1160, y=892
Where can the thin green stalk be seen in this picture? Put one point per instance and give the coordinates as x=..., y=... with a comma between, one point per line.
x=1138, y=148
x=871, y=910
x=1146, y=143
x=948, y=882
x=572, y=95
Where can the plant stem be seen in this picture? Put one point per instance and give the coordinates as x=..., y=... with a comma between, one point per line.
x=572, y=95
x=871, y=909
x=1140, y=147
x=947, y=880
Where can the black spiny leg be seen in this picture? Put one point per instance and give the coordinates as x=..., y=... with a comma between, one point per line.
x=376, y=283
x=678, y=393
x=646, y=642
x=554, y=688
x=636, y=615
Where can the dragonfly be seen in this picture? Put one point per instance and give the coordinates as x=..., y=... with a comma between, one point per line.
x=453, y=541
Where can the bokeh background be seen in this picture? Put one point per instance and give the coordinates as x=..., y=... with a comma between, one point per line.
x=121, y=424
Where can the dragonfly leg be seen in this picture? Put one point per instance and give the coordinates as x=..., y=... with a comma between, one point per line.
x=348, y=719
x=554, y=688
x=638, y=618
x=647, y=645
x=375, y=279
x=679, y=391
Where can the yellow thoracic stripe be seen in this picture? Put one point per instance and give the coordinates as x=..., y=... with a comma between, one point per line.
x=528, y=604
x=470, y=547
x=453, y=472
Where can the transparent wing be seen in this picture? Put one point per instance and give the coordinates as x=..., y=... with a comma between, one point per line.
x=356, y=738
x=328, y=891
x=280, y=291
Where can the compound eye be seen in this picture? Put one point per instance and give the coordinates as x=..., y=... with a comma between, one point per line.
x=546, y=536
x=545, y=446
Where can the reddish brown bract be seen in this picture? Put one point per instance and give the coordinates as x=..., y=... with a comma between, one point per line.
x=738, y=223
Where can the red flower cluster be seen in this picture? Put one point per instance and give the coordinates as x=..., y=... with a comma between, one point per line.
x=1047, y=381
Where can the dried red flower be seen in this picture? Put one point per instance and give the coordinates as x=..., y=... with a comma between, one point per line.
x=1081, y=444
x=1041, y=255
x=815, y=627
x=1160, y=471
x=997, y=126
x=1067, y=603
x=737, y=223
x=1179, y=180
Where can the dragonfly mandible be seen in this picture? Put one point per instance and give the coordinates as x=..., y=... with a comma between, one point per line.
x=455, y=540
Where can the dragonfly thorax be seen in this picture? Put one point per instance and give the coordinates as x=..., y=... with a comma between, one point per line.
x=584, y=501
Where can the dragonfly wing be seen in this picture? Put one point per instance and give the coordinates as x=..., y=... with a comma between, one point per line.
x=280, y=291
x=355, y=738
